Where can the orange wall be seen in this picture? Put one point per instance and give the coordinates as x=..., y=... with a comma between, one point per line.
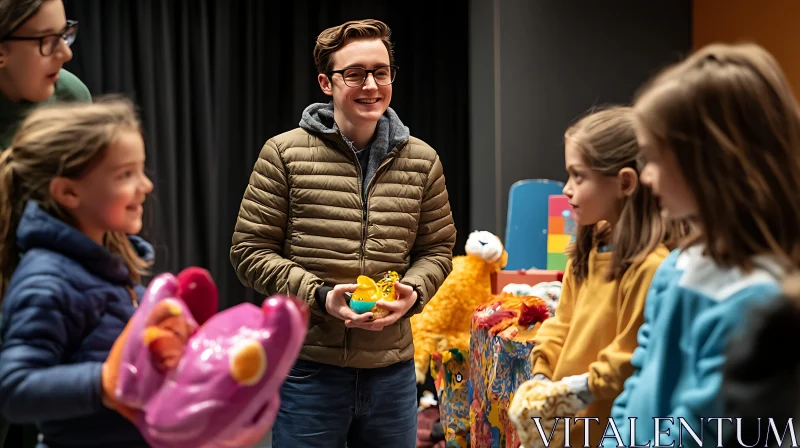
x=773, y=24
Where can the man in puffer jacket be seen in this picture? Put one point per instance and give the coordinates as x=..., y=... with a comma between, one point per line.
x=348, y=193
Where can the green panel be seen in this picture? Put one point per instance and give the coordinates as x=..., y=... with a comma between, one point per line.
x=556, y=261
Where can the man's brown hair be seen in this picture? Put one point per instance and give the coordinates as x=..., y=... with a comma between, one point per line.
x=334, y=38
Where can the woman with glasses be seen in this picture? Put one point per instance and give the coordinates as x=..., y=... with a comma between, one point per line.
x=35, y=39
x=350, y=192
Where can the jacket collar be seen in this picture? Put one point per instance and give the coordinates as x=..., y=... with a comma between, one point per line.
x=38, y=229
x=390, y=132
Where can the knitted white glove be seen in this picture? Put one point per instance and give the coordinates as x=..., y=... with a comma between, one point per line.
x=547, y=400
x=579, y=385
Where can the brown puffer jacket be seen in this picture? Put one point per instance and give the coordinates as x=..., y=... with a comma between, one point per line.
x=301, y=226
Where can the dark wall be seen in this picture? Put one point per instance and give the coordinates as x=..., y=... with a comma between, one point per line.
x=554, y=60
x=484, y=213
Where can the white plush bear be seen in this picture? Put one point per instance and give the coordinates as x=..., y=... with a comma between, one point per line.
x=550, y=292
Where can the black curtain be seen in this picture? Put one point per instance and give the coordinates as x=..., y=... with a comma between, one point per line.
x=215, y=79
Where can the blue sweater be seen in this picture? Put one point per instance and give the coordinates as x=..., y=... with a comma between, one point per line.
x=66, y=304
x=693, y=308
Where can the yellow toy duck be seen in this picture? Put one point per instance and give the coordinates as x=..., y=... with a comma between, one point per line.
x=368, y=292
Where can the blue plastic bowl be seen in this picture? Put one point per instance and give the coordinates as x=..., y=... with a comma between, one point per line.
x=361, y=307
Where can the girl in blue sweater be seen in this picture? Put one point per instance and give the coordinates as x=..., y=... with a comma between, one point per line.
x=721, y=134
x=72, y=185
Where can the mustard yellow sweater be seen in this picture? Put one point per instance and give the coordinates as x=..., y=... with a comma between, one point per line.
x=594, y=330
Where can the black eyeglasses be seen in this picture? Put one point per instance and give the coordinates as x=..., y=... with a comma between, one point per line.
x=357, y=76
x=49, y=43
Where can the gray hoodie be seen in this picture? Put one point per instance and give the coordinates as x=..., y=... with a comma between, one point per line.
x=390, y=132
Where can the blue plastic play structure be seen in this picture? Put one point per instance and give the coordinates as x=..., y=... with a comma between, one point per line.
x=526, y=226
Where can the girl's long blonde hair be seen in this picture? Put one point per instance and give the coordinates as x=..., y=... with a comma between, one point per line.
x=60, y=140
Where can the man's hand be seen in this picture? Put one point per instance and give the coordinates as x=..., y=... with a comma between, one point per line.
x=336, y=305
x=406, y=298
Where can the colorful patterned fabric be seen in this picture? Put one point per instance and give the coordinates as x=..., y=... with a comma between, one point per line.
x=500, y=347
x=450, y=370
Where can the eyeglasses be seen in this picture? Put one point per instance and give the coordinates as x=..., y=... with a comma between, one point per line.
x=356, y=76
x=49, y=43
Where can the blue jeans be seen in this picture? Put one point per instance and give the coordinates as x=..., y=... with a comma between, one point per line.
x=333, y=407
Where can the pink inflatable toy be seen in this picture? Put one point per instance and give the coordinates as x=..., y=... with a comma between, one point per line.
x=199, y=293
x=215, y=385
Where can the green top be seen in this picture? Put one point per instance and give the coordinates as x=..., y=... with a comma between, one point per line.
x=67, y=88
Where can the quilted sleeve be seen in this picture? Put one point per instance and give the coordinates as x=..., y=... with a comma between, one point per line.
x=260, y=233
x=432, y=254
x=37, y=333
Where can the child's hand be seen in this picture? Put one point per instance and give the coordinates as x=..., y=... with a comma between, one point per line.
x=107, y=394
x=166, y=334
x=104, y=398
x=110, y=374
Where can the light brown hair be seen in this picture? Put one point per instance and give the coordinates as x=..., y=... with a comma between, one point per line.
x=61, y=140
x=334, y=38
x=14, y=13
x=607, y=140
x=730, y=118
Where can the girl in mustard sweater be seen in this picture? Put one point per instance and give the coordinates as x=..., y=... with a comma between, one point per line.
x=582, y=354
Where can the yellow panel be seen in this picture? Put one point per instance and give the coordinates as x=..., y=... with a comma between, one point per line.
x=558, y=243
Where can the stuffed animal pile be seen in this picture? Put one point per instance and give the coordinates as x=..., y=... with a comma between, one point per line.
x=550, y=292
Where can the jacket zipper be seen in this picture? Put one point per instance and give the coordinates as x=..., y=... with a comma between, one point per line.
x=363, y=232
x=364, y=201
x=365, y=205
